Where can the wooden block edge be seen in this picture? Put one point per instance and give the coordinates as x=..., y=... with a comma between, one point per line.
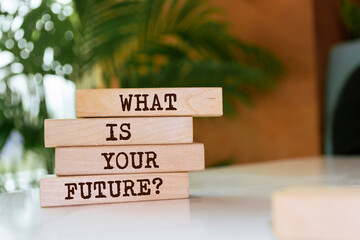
x=184, y=196
x=79, y=114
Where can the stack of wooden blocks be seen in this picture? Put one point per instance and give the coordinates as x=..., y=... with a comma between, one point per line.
x=130, y=145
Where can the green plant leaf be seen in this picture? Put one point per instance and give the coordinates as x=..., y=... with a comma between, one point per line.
x=350, y=13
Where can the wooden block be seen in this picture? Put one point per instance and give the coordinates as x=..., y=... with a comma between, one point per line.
x=199, y=102
x=118, y=131
x=322, y=212
x=129, y=159
x=79, y=190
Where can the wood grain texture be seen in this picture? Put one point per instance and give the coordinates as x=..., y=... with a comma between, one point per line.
x=129, y=159
x=317, y=212
x=80, y=190
x=198, y=102
x=284, y=122
x=125, y=131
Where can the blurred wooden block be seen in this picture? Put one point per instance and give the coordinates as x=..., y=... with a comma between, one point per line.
x=199, y=102
x=322, y=212
x=118, y=131
x=79, y=190
x=129, y=159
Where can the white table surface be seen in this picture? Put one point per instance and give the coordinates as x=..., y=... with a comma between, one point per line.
x=225, y=203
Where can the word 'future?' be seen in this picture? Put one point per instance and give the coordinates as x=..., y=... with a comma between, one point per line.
x=149, y=102
x=113, y=188
x=77, y=190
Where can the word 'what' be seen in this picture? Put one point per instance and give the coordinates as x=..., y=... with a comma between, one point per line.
x=142, y=102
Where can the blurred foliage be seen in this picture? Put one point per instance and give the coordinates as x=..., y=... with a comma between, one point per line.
x=350, y=14
x=132, y=43
x=171, y=44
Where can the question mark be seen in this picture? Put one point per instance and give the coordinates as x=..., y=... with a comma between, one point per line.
x=158, y=185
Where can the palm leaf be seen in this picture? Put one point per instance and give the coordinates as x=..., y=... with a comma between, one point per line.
x=133, y=35
x=137, y=43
